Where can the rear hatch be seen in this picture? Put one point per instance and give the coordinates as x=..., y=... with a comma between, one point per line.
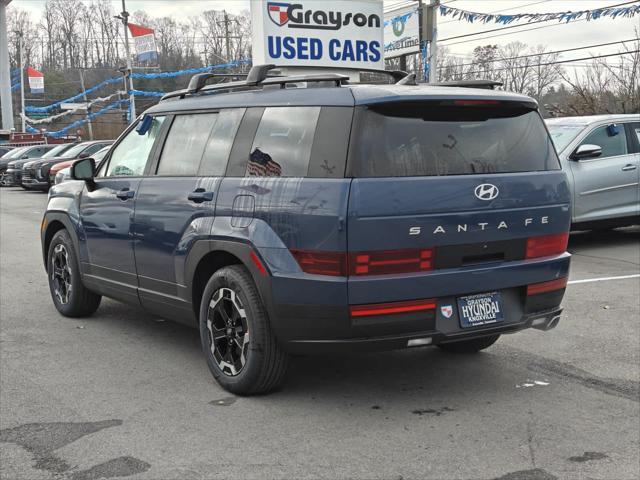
x=449, y=190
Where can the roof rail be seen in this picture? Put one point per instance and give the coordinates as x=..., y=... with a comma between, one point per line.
x=258, y=73
x=257, y=76
x=199, y=80
x=486, y=84
x=410, y=79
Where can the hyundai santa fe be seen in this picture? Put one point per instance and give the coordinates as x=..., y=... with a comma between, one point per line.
x=304, y=214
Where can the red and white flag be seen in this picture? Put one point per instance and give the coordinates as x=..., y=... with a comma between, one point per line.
x=145, y=42
x=36, y=80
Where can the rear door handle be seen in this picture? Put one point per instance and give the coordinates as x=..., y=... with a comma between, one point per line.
x=125, y=194
x=199, y=195
x=629, y=167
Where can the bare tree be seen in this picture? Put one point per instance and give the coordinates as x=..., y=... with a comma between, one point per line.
x=543, y=71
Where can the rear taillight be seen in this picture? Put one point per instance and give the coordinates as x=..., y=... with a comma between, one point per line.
x=391, y=261
x=321, y=263
x=384, y=262
x=544, y=287
x=392, y=308
x=547, y=245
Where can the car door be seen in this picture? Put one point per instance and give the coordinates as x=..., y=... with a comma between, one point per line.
x=175, y=206
x=106, y=212
x=606, y=187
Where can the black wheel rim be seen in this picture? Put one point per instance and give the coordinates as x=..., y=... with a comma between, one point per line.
x=228, y=331
x=61, y=274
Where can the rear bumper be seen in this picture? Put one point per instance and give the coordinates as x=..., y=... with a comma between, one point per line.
x=311, y=313
x=545, y=320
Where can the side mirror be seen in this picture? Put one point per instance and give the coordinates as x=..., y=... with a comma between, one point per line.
x=84, y=155
x=84, y=169
x=586, y=151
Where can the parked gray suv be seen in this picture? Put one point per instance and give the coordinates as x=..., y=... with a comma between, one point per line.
x=601, y=155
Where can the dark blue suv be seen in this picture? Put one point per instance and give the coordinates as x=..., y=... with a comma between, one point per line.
x=295, y=215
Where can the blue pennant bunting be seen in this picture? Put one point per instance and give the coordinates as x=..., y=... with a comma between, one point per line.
x=471, y=17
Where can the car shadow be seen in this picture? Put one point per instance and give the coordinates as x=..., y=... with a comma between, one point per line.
x=427, y=374
x=609, y=238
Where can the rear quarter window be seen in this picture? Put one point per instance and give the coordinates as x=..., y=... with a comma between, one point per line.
x=432, y=139
x=282, y=145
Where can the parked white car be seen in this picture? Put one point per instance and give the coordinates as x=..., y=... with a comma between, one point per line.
x=601, y=155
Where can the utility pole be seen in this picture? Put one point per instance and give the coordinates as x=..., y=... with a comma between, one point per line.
x=21, y=47
x=429, y=39
x=124, y=16
x=433, y=51
x=227, y=35
x=5, y=75
x=86, y=101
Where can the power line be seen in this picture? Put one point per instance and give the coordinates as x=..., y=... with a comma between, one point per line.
x=528, y=23
x=557, y=62
x=553, y=52
x=511, y=33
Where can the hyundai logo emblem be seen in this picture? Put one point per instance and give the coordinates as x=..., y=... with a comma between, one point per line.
x=486, y=191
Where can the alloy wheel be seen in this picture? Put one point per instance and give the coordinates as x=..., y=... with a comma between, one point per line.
x=61, y=274
x=228, y=331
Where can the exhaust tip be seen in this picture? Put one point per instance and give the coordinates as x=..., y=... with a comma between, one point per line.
x=419, y=342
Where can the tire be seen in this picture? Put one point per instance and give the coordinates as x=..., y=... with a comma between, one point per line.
x=245, y=357
x=70, y=297
x=470, y=346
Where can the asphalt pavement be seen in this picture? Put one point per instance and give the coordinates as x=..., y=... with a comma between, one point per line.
x=124, y=394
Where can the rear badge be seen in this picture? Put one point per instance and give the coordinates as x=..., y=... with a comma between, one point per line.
x=447, y=311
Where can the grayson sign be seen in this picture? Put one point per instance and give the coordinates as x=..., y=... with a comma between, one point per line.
x=332, y=33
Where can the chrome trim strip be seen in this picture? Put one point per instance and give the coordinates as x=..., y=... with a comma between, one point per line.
x=617, y=187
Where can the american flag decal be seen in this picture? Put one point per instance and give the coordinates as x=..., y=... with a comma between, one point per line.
x=262, y=165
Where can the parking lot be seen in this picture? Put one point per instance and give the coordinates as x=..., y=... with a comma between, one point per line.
x=125, y=394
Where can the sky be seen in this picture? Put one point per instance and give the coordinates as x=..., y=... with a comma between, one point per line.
x=555, y=35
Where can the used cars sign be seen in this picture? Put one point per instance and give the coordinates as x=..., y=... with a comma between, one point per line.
x=343, y=34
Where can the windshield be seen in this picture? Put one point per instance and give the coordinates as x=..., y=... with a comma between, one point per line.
x=562, y=135
x=15, y=153
x=73, y=152
x=430, y=139
x=55, y=151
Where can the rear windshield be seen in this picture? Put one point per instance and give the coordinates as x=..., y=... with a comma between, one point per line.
x=431, y=139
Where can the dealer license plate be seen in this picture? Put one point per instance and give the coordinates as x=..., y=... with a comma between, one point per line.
x=481, y=309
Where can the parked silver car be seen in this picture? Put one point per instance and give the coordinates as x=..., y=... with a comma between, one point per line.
x=601, y=155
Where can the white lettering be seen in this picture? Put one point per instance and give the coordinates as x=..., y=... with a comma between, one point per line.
x=527, y=221
x=462, y=228
x=483, y=225
x=502, y=225
x=439, y=230
x=545, y=219
x=415, y=231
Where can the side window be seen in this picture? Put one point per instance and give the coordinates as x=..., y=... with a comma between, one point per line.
x=216, y=153
x=635, y=128
x=612, y=140
x=92, y=149
x=130, y=156
x=185, y=144
x=36, y=152
x=282, y=145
